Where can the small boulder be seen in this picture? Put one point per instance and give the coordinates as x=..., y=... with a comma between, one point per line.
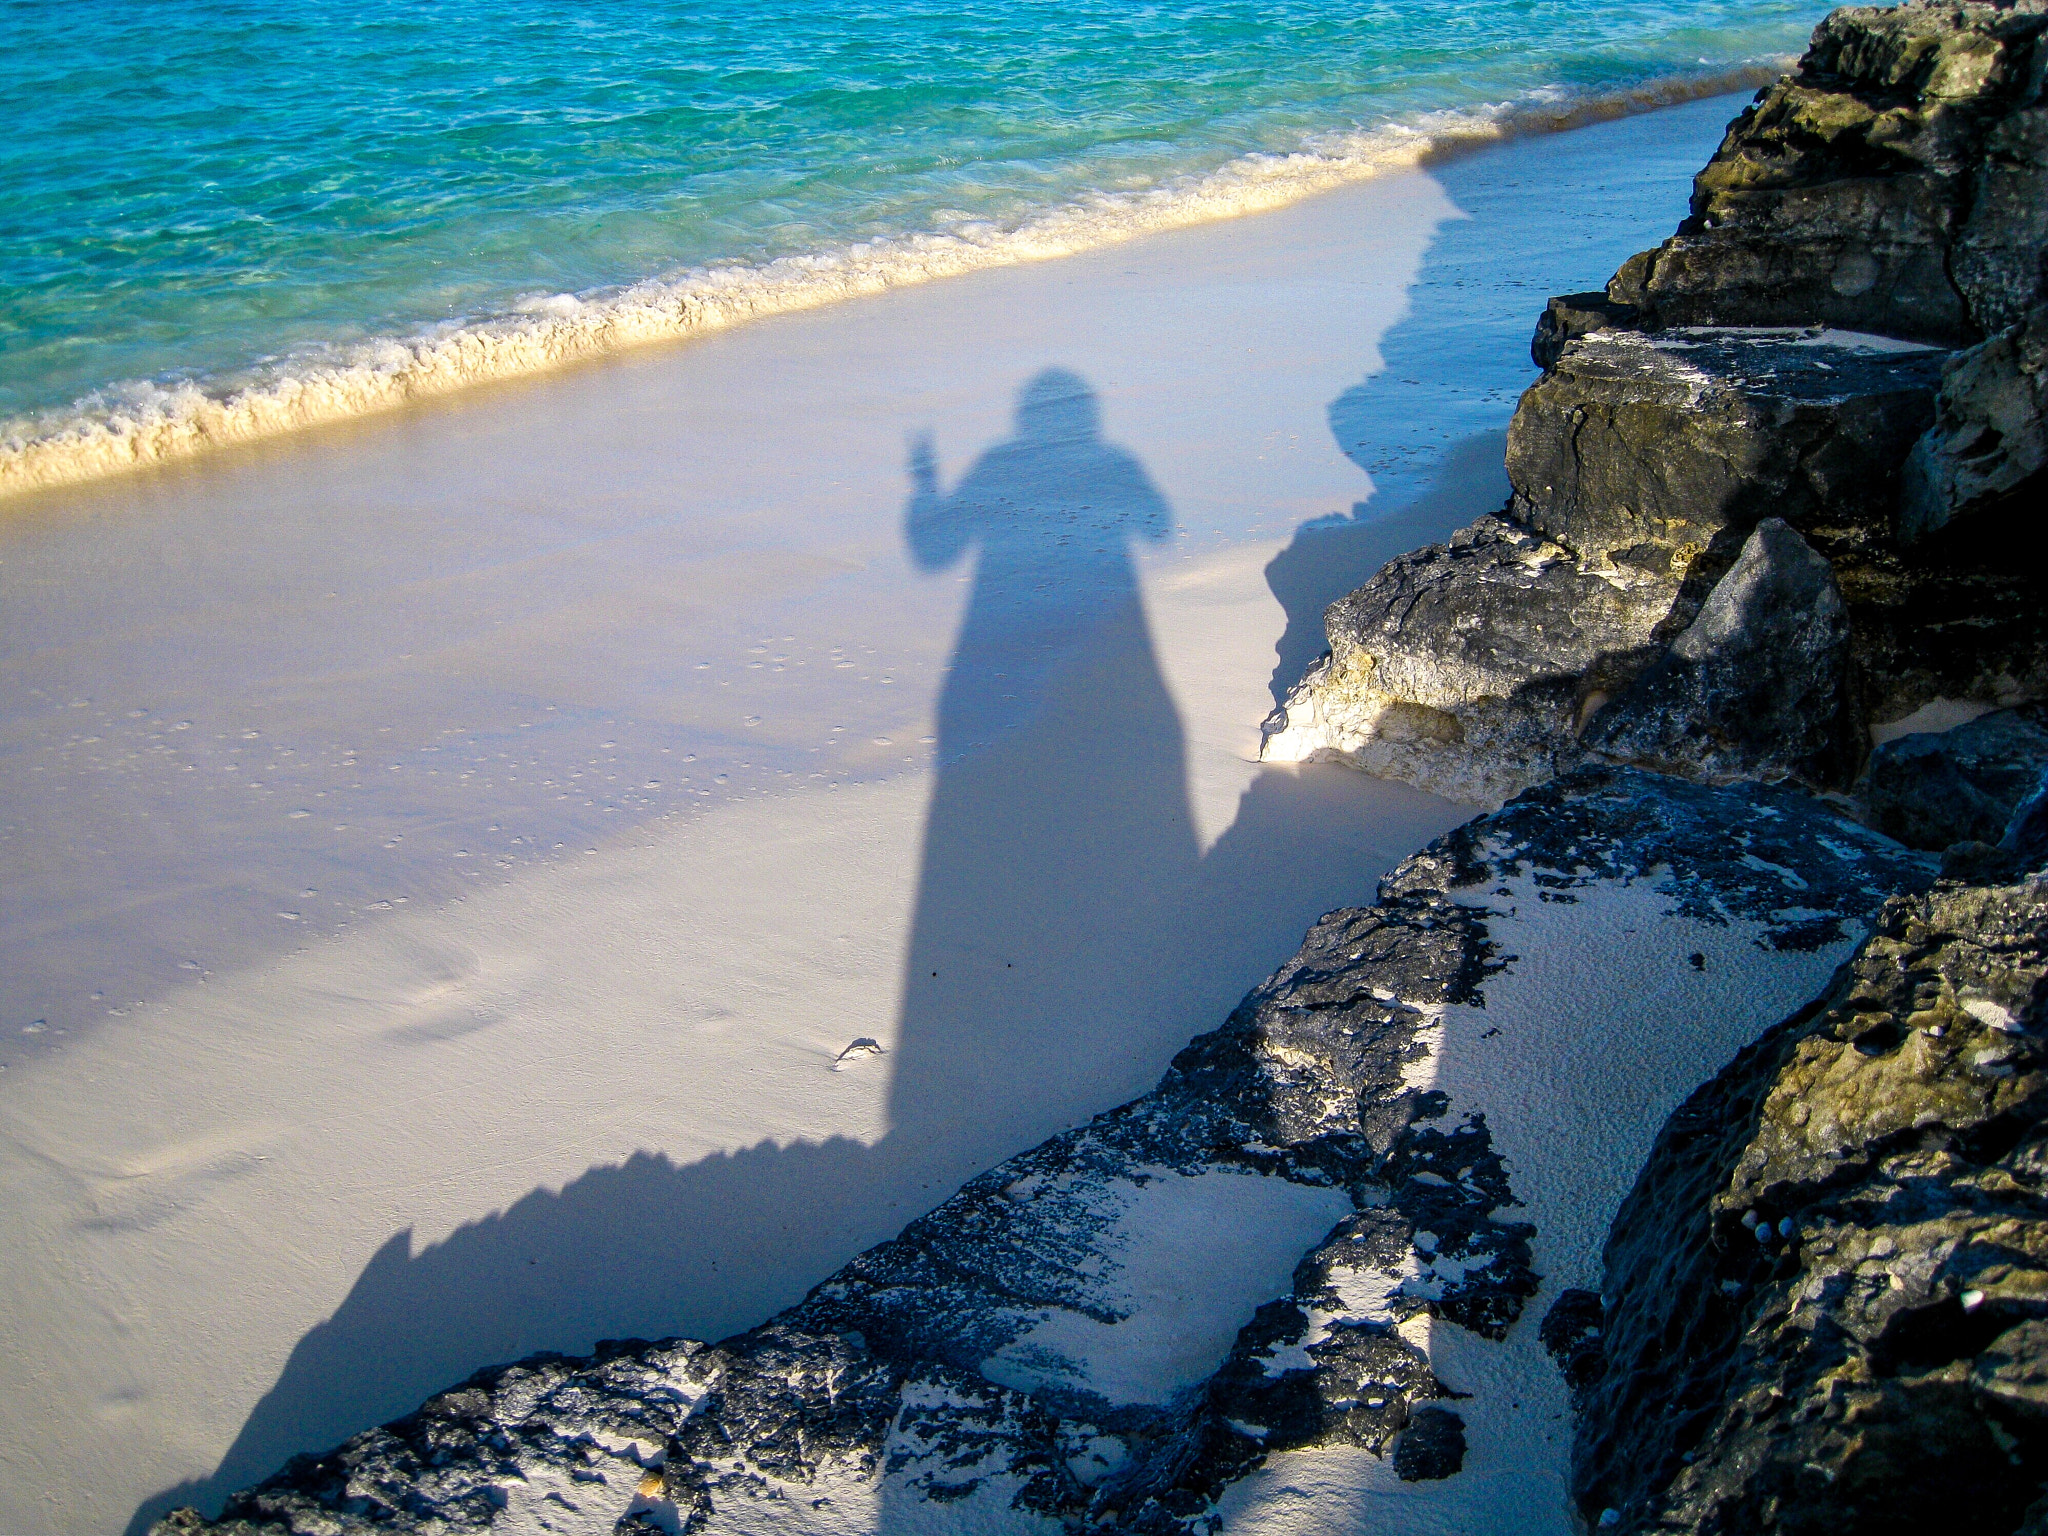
x=1988, y=447
x=1930, y=790
x=1431, y=1447
x=1571, y=1336
x=1756, y=686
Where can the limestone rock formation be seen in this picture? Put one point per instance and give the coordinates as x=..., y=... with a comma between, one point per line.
x=1988, y=447
x=1640, y=465
x=1890, y=184
x=1779, y=356
x=1827, y=1296
x=1073, y=1337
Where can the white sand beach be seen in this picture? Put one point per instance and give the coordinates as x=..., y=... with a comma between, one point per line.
x=446, y=858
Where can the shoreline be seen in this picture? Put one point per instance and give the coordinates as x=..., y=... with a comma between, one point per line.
x=551, y=548
x=97, y=438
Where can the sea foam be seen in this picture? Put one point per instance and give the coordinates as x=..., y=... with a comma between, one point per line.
x=141, y=423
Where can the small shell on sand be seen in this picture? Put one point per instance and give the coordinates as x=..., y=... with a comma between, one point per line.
x=857, y=1052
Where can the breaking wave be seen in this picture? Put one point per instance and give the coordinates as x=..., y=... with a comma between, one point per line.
x=132, y=425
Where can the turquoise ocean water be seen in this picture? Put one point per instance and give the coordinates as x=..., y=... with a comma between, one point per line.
x=226, y=219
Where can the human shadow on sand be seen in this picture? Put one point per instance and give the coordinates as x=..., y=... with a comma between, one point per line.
x=1069, y=936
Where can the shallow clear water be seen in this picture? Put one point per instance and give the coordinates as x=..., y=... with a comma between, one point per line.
x=220, y=193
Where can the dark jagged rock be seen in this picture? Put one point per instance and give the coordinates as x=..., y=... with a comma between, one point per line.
x=1826, y=1304
x=1825, y=1296
x=1997, y=261
x=1891, y=184
x=1653, y=453
x=1656, y=455
x=1572, y=315
x=1758, y=685
x=1432, y=1447
x=1958, y=786
x=1465, y=667
x=1897, y=183
x=1988, y=448
x=995, y=1356
x=1571, y=1335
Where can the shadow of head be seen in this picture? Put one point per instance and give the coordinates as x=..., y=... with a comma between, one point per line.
x=1054, y=500
x=1057, y=406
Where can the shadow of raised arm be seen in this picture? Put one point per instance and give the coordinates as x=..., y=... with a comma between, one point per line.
x=937, y=527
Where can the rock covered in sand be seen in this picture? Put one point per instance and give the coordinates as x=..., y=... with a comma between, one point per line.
x=1269, y=1256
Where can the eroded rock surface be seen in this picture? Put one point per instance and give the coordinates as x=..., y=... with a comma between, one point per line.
x=1073, y=1338
x=1827, y=1297
x=1758, y=683
x=1651, y=452
x=1640, y=466
x=1988, y=446
x=1658, y=454
x=1466, y=667
x=1890, y=184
